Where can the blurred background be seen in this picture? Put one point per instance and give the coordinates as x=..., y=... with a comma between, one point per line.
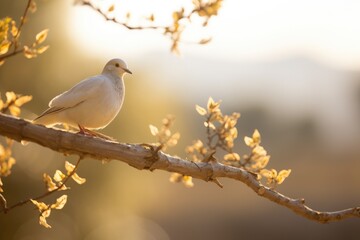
x=290, y=68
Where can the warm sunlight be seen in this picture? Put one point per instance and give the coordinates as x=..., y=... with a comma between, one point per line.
x=250, y=30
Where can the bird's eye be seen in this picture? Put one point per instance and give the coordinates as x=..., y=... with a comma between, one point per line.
x=117, y=65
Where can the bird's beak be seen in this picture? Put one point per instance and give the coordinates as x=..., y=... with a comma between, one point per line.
x=127, y=70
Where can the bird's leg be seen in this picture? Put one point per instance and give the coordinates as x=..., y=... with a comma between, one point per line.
x=87, y=132
x=81, y=129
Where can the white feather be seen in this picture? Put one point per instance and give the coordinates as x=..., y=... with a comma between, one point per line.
x=92, y=103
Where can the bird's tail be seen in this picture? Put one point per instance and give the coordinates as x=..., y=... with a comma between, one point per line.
x=49, y=117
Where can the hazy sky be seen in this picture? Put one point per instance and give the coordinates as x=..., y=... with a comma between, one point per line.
x=327, y=30
x=259, y=31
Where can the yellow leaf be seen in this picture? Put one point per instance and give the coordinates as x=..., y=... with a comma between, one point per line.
x=259, y=150
x=175, y=177
x=152, y=18
x=282, y=175
x=154, y=130
x=14, y=29
x=232, y=157
x=1, y=104
x=42, y=221
x=59, y=176
x=205, y=40
x=11, y=161
x=40, y=205
x=10, y=97
x=111, y=8
x=173, y=140
x=46, y=213
x=4, y=47
x=200, y=110
x=210, y=103
x=261, y=162
x=248, y=141
x=267, y=173
x=69, y=167
x=78, y=179
x=176, y=16
x=210, y=125
x=256, y=137
x=2, y=62
x=42, y=49
x=22, y=100
x=32, y=7
x=60, y=202
x=14, y=110
x=29, y=52
x=187, y=180
x=49, y=182
x=41, y=36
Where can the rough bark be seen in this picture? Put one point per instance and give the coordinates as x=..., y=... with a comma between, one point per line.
x=142, y=157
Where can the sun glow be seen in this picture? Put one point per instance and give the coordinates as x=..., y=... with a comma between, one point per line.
x=326, y=30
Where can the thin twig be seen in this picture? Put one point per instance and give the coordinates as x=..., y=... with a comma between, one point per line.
x=113, y=19
x=14, y=43
x=21, y=24
x=7, y=209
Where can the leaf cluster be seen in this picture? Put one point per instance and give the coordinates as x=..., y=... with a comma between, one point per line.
x=164, y=137
x=221, y=134
x=10, y=33
x=54, y=184
x=12, y=104
x=45, y=209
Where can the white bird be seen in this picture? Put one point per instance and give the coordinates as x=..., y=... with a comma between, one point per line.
x=92, y=103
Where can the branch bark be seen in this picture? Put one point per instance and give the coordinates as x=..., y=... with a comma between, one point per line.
x=140, y=157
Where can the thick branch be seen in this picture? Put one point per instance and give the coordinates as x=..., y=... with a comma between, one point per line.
x=138, y=156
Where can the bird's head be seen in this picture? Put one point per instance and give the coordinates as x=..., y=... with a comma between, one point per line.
x=116, y=66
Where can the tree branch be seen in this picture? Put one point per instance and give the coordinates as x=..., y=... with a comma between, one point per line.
x=137, y=156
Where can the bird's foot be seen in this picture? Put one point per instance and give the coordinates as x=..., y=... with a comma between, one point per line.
x=90, y=133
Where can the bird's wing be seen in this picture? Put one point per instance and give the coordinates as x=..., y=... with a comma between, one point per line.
x=85, y=89
x=54, y=110
x=76, y=95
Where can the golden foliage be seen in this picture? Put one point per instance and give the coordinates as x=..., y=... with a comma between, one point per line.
x=12, y=104
x=10, y=34
x=273, y=177
x=7, y=28
x=41, y=36
x=34, y=50
x=164, y=136
x=45, y=209
x=186, y=180
x=57, y=183
x=6, y=159
x=221, y=134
